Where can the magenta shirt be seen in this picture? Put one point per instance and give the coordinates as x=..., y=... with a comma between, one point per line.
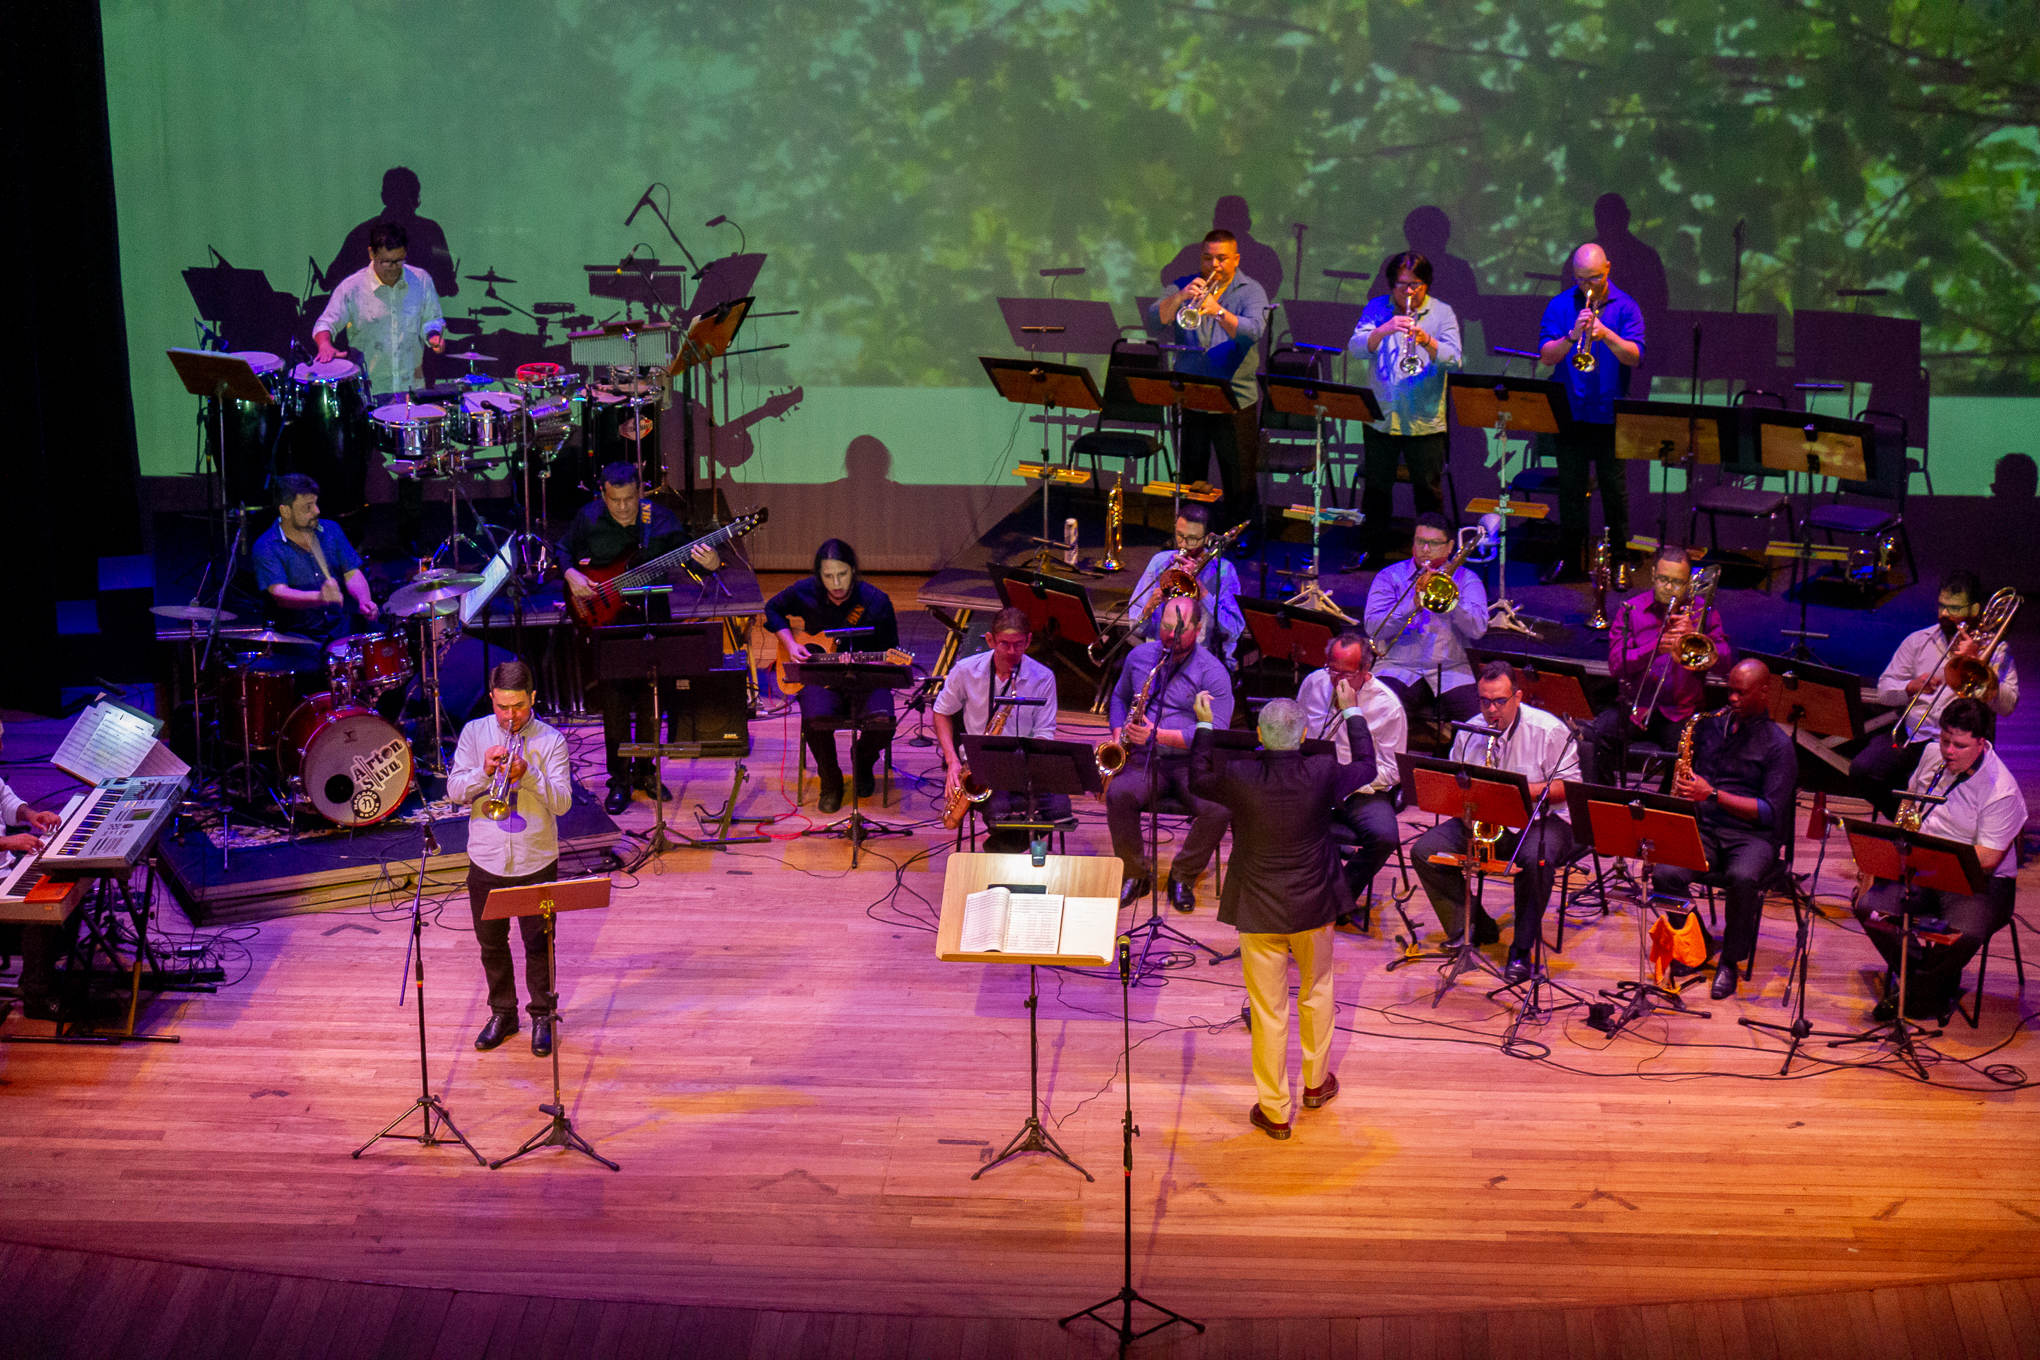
x=1632, y=644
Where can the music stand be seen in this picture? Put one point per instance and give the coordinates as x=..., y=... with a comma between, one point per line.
x=1074, y=878
x=221, y=378
x=1673, y=434
x=1032, y=766
x=1036, y=382
x=548, y=900
x=1552, y=683
x=854, y=681
x=1498, y=402
x=659, y=652
x=1804, y=552
x=1913, y=860
x=1321, y=401
x=1470, y=792
x=1289, y=632
x=1653, y=829
x=1056, y=609
x=709, y=337
x=1060, y=325
x=1180, y=392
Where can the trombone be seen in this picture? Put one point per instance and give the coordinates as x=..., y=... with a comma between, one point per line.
x=1971, y=677
x=1695, y=651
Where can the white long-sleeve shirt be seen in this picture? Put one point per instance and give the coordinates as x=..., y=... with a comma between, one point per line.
x=1919, y=655
x=13, y=807
x=1387, y=723
x=388, y=323
x=528, y=839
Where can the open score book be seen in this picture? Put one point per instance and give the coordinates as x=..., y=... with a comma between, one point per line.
x=998, y=920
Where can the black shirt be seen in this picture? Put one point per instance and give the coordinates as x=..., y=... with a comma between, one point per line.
x=1754, y=759
x=866, y=607
x=595, y=539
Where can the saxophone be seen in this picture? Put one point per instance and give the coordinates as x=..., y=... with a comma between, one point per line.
x=1911, y=812
x=969, y=792
x=1682, y=768
x=1111, y=754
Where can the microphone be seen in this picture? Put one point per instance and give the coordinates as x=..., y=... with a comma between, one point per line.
x=644, y=201
x=1481, y=728
x=431, y=841
x=626, y=259
x=1068, y=271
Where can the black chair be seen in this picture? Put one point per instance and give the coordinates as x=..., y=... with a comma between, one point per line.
x=1132, y=446
x=1874, y=508
x=1742, y=495
x=1777, y=878
x=1975, y=1011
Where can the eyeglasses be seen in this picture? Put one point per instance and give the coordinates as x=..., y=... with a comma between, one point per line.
x=1673, y=581
x=1502, y=702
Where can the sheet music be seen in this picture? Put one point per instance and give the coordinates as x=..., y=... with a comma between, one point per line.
x=476, y=601
x=109, y=740
x=1033, y=923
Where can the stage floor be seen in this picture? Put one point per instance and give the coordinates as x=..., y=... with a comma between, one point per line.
x=798, y=1093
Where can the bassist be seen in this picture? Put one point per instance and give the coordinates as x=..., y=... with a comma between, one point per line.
x=620, y=523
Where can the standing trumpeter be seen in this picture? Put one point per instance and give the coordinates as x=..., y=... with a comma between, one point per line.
x=979, y=688
x=1411, y=341
x=1649, y=640
x=1916, y=683
x=1218, y=316
x=1593, y=334
x=1422, y=650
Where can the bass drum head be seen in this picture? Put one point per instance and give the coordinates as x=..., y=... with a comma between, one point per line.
x=355, y=765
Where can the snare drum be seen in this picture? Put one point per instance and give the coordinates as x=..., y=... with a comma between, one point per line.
x=420, y=435
x=327, y=406
x=367, y=664
x=355, y=767
x=489, y=419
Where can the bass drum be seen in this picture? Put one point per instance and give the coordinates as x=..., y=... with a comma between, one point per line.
x=355, y=766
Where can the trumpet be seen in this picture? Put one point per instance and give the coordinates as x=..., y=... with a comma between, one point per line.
x=1971, y=677
x=1191, y=313
x=1600, y=569
x=1583, y=360
x=1115, y=522
x=495, y=804
x=1411, y=361
x=1695, y=651
x=1110, y=753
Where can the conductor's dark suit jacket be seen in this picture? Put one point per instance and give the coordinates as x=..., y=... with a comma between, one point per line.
x=1283, y=877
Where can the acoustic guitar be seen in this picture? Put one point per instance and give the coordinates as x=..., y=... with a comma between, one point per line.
x=892, y=656
x=606, y=603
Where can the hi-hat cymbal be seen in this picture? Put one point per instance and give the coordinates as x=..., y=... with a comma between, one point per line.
x=491, y=277
x=267, y=635
x=474, y=358
x=191, y=613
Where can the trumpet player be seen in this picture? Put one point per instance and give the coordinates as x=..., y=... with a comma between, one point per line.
x=1157, y=745
x=514, y=754
x=1984, y=808
x=1224, y=624
x=1915, y=679
x=1593, y=335
x=1218, y=315
x=971, y=695
x=1411, y=341
x=1423, y=654
x=1644, y=639
x=1744, y=776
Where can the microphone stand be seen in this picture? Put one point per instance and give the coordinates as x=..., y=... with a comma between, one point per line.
x=1155, y=928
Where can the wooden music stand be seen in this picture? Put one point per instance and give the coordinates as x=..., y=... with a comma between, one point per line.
x=1089, y=885
x=1673, y=434
x=1285, y=631
x=1470, y=792
x=1179, y=392
x=1654, y=829
x=1552, y=683
x=548, y=900
x=1321, y=401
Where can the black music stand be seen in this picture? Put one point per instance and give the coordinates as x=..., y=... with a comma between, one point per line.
x=1036, y=382
x=1653, y=829
x=1498, y=402
x=1819, y=446
x=1470, y=792
x=1321, y=401
x=1913, y=860
x=1673, y=434
x=1291, y=632
x=659, y=652
x=548, y=900
x=854, y=681
x=1552, y=683
x=1059, y=325
x=1031, y=766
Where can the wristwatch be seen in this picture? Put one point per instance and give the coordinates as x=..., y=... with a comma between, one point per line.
x=1714, y=797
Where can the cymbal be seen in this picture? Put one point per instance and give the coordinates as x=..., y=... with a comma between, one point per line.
x=434, y=575
x=491, y=277
x=472, y=357
x=192, y=613
x=268, y=635
x=555, y=308
x=432, y=597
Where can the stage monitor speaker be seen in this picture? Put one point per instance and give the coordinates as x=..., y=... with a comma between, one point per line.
x=713, y=709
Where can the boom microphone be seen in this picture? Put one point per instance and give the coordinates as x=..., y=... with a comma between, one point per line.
x=717, y=220
x=644, y=201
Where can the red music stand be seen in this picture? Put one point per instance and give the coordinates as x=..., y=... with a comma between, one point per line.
x=1290, y=632
x=1470, y=792
x=1654, y=829
x=1055, y=609
x=548, y=900
x=1552, y=683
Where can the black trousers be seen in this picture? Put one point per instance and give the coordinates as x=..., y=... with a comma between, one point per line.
x=1742, y=856
x=1371, y=819
x=1551, y=845
x=1933, y=976
x=1001, y=806
x=1604, y=745
x=1234, y=437
x=1881, y=769
x=1425, y=455
x=494, y=939
x=1590, y=448
x=816, y=702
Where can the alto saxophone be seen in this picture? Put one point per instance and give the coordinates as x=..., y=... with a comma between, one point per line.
x=969, y=791
x=1111, y=754
x=1485, y=834
x=495, y=804
x=1912, y=811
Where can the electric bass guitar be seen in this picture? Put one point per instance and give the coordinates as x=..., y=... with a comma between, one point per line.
x=606, y=603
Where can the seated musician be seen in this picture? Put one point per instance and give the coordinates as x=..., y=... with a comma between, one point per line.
x=1884, y=765
x=1745, y=771
x=834, y=598
x=1172, y=669
x=1423, y=655
x=307, y=568
x=621, y=527
x=968, y=693
x=1224, y=623
x=1984, y=808
x=41, y=945
x=1537, y=745
x=1369, y=813
x=1643, y=639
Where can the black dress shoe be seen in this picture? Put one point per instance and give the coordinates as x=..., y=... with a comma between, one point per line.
x=1133, y=889
x=831, y=797
x=1486, y=930
x=1182, y=894
x=541, y=1036
x=617, y=799
x=499, y=1028
x=867, y=783
x=1517, y=969
x=653, y=789
x=1886, y=1010
x=1724, y=981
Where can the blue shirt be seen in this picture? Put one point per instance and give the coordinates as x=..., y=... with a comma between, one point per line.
x=1218, y=355
x=1593, y=395
x=1170, y=700
x=280, y=562
x=1221, y=583
x=1409, y=406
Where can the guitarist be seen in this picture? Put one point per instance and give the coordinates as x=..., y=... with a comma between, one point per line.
x=837, y=597
x=307, y=568
x=967, y=699
x=617, y=523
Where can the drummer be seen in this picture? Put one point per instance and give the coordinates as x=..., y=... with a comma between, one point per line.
x=308, y=569
x=390, y=312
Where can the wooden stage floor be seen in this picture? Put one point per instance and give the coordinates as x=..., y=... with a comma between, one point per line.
x=798, y=1093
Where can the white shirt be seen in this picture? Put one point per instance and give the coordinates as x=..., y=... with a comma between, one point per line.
x=1920, y=654
x=968, y=690
x=388, y=323
x=13, y=807
x=1986, y=809
x=1426, y=641
x=1539, y=747
x=1387, y=723
x=528, y=839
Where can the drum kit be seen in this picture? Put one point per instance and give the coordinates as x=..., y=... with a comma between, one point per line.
x=325, y=720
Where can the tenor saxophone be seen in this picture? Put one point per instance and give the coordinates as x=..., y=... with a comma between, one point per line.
x=969, y=791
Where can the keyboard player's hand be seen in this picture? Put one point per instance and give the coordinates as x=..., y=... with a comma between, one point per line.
x=23, y=844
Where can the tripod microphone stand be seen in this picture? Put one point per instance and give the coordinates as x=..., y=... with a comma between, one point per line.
x=427, y=1103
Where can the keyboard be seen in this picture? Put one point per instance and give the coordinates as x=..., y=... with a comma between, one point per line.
x=115, y=826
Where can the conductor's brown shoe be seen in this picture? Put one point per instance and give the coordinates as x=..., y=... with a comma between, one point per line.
x=1317, y=1097
x=1260, y=1120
